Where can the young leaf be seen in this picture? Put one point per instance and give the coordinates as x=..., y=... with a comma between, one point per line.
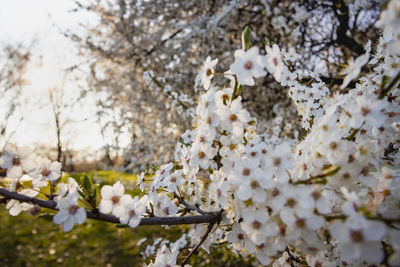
x=246, y=38
x=87, y=184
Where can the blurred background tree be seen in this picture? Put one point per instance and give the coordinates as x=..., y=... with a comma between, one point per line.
x=165, y=41
x=13, y=64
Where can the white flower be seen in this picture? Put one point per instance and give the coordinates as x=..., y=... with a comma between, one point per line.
x=16, y=160
x=207, y=72
x=238, y=238
x=251, y=181
x=70, y=189
x=15, y=207
x=369, y=111
x=45, y=171
x=254, y=224
x=319, y=259
x=274, y=62
x=248, y=65
x=111, y=198
x=256, y=150
x=353, y=69
x=280, y=160
x=219, y=188
x=174, y=180
x=390, y=17
x=165, y=207
x=230, y=146
x=233, y=118
x=207, y=104
x=359, y=239
x=196, y=233
x=187, y=137
x=201, y=156
x=161, y=174
x=223, y=97
x=165, y=257
x=69, y=213
x=324, y=200
x=133, y=208
x=353, y=202
x=288, y=78
x=140, y=181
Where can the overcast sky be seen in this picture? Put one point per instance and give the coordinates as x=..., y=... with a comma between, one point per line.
x=38, y=23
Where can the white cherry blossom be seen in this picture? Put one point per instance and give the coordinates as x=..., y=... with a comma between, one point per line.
x=111, y=198
x=248, y=64
x=69, y=213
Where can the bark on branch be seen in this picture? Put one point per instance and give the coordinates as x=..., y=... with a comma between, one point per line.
x=211, y=217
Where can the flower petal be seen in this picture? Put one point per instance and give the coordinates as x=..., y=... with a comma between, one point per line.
x=60, y=217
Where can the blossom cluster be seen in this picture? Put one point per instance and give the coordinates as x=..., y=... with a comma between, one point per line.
x=329, y=198
x=338, y=179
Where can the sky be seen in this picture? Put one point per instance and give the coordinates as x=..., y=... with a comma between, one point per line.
x=38, y=23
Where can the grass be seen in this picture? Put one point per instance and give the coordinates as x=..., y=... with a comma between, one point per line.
x=32, y=241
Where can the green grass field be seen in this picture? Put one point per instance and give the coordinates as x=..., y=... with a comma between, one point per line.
x=31, y=241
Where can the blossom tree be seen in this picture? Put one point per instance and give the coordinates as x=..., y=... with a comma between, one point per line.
x=329, y=197
x=143, y=56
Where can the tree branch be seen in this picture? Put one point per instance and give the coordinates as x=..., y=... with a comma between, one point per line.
x=190, y=207
x=291, y=257
x=211, y=217
x=196, y=248
x=341, y=11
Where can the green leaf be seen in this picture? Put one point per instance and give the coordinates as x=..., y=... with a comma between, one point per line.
x=155, y=167
x=385, y=80
x=252, y=122
x=47, y=217
x=121, y=225
x=96, y=195
x=82, y=194
x=240, y=89
x=87, y=184
x=246, y=38
x=364, y=210
x=332, y=170
x=267, y=41
x=352, y=136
